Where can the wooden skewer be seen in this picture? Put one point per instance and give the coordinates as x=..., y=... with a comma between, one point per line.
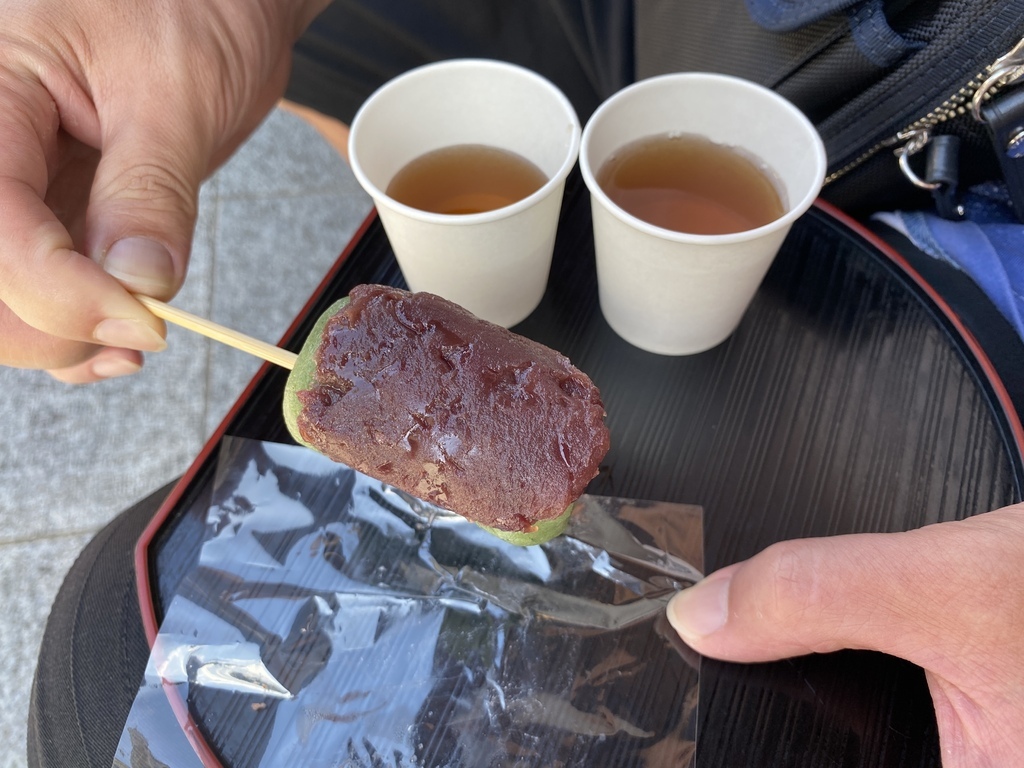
x=217, y=332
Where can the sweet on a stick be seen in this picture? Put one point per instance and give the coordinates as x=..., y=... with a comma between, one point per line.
x=421, y=394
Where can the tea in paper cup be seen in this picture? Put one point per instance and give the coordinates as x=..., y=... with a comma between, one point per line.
x=488, y=249
x=679, y=256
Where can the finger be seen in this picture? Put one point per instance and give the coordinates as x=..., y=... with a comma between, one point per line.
x=43, y=280
x=922, y=595
x=73, y=362
x=23, y=346
x=794, y=598
x=144, y=199
x=58, y=291
x=107, y=363
x=158, y=147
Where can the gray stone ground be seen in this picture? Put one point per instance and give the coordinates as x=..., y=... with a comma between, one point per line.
x=271, y=223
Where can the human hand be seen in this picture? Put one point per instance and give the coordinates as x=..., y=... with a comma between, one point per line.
x=947, y=597
x=112, y=112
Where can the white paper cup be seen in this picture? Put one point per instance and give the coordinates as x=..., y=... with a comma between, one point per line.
x=674, y=293
x=496, y=263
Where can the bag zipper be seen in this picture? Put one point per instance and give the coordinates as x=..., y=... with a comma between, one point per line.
x=1005, y=70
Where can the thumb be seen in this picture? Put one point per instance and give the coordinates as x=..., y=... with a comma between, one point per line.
x=897, y=593
x=144, y=202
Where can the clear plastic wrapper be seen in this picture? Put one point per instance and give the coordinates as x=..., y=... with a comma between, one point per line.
x=333, y=621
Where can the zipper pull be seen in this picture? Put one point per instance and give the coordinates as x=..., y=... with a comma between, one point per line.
x=1005, y=70
x=1003, y=117
x=942, y=173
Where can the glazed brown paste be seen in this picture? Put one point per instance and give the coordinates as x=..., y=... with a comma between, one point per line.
x=419, y=393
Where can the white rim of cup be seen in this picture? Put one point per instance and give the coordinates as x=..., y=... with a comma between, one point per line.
x=469, y=218
x=795, y=211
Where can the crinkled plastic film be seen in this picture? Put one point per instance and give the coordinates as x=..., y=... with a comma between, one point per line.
x=333, y=621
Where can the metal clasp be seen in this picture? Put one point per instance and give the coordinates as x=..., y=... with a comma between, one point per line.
x=915, y=141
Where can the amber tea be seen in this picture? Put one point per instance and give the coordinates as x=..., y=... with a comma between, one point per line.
x=688, y=183
x=465, y=178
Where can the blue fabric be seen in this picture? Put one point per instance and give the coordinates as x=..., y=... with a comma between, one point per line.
x=988, y=245
x=787, y=15
x=879, y=42
x=869, y=28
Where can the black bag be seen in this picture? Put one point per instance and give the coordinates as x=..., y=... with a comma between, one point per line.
x=876, y=79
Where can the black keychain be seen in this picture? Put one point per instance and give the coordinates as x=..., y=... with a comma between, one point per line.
x=942, y=163
x=941, y=175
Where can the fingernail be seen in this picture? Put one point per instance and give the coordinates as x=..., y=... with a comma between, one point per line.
x=702, y=609
x=143, y=265
x=132, y=334
x=112, y=367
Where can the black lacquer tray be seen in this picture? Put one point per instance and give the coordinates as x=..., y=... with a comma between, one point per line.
x=854, y=397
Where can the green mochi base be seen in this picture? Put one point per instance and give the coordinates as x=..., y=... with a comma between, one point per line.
x=546, y=530
x=303, y=375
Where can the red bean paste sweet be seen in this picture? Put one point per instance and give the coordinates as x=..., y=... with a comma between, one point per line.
x=419, y=393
